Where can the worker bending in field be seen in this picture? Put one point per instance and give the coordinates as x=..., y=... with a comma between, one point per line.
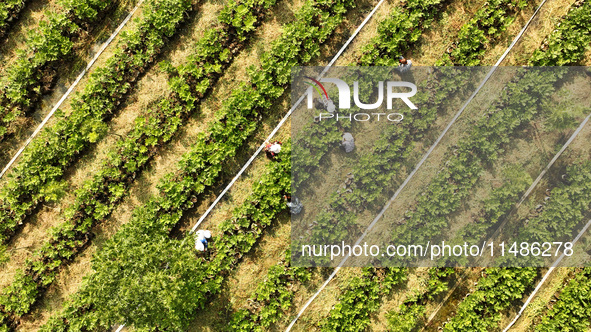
x=328, y=105
x=348, y=142
x=404, y=65
x=201, y=237
x=295, y=206
x=272, y=149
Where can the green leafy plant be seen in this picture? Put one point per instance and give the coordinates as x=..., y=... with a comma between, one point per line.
x=481, y=32
x=202, y=165
x=496, y=291
x=411, y=314
x=51, y=43
x=45, y=160
x=362, y=297
x=572, y=310
x=273, y=296
x=146, y=281
x=234, y=238
x=97, y=198
x=569, y=41
x=501, y=286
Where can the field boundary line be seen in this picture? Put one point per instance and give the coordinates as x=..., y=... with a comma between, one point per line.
x=71, y=88
x=550, y=270
x=376, y=219
x=556, y=156
x=539, y=178
x=284, y=119
x=521, y=200
x=281, y=123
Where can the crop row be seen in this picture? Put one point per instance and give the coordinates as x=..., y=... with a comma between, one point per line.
x=495, y=292
x=103, y=93
x=236, y=120
x=394, y=37
x=362, y=297
x=411, y=312
x=393, y=147
x=234, y=238
x=272, y=297
x=566, y=45
x=479, y=312
x=373, y=172
x=348, y=314
x=391, y=42
x=401, y=31
x=502, y=286
x=9, y=13
x=495, y=208
x=245, y=320
x=51, y=43
x=337, y=221
x=37, y=176
x=565, y=210
x=482, y=32
x=572, y=310
x=97, y=199
x=517, y=106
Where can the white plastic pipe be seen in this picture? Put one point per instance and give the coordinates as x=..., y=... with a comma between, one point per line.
x=491, y=72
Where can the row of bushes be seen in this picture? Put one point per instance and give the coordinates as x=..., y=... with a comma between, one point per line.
x=104, y=298
x=272, y=297
x=395, y=36
x=362, y=296
x=567, y=44
x=572, y=309
x=99, y=196
x=37, y=176
x=482, y=32
x=235, y=122
x=33, y=73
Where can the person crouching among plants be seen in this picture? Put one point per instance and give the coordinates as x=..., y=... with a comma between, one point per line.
x=272, y=149
x=404, y=64
x=201, y=237
x=294, y=205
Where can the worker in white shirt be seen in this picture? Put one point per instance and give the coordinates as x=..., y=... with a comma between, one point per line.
x=201, y=237
x=273, y=149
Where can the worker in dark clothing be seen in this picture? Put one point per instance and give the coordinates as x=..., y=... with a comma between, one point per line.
x=295, y=206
